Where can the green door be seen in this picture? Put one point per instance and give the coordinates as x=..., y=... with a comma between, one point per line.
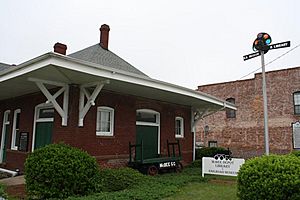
x=5, y=143
x=43, y=134
x=149, y=135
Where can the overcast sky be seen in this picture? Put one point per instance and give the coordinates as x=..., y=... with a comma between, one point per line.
x=188, y=43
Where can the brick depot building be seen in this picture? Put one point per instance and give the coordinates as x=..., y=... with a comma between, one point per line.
x=94, y=100
x=243, y=130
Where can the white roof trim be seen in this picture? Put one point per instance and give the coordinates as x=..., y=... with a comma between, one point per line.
x=105, y=72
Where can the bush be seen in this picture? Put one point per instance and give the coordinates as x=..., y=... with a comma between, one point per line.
x=210, y=152
x=270, y=177
x=296, y=153
x=59, y=171
x=195, y=164
x=2, y=192
x=120, y=179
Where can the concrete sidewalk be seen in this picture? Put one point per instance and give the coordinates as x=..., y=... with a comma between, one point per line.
x=17, y=180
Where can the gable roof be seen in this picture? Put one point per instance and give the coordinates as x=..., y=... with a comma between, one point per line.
x=4, y=66
x=96, y=54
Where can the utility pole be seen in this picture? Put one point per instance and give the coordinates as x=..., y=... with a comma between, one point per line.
x=261, y=46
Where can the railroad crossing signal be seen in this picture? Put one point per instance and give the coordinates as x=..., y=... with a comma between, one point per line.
x=263, y=43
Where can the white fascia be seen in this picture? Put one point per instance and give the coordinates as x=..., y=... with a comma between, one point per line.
x=105, y=72
x=94, y=69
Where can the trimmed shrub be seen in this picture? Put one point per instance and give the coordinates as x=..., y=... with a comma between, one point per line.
x=120, y=179
x=270, y=177
x=59, y=171
x=210, y=152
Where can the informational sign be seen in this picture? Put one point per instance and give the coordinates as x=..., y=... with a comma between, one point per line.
x=23, y=144
x=221, y=165
x=296, y=135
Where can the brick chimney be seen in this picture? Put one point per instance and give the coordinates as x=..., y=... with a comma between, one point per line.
x=104, y=34
x=60, y=48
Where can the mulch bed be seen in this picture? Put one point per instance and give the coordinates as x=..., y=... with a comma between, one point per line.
x=17, y=191
x=4, y=175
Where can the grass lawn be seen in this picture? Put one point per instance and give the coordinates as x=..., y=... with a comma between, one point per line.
x=186, y=185
x=206, y=191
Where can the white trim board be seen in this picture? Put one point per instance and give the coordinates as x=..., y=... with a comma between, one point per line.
x=105, y=72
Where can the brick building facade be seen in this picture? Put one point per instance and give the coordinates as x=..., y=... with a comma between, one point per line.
x=94, y=100
x=243, y=130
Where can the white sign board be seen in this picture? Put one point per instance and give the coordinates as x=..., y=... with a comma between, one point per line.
x=296, y=135
x=225, y=167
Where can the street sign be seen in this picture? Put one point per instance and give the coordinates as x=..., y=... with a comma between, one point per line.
x=280, y=45
x=273, y=46
x=252, y=55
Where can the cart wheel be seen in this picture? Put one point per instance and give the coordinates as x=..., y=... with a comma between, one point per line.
x=152, y=170
x=179, y=167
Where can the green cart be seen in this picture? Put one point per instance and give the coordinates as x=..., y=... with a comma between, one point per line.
x=154, y=165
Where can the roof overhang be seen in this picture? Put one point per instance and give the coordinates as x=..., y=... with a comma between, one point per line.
x=60, y=68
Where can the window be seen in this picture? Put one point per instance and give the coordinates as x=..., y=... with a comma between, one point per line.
x=229, y=112
x=179, y=128
x=45, y=113
x=142, y=116
x=212, y=144
x=297, y=103
x=147, y=117
x=16, y=130
x=105, y=121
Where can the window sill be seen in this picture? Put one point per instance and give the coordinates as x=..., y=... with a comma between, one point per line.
x=104, y=135
x=179, y=136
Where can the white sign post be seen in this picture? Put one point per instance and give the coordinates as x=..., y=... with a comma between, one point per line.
x=221, y=166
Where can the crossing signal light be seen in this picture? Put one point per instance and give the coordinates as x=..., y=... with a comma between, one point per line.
x=262, y=42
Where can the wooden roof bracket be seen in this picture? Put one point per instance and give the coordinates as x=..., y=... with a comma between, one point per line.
x=85, y=94
x=63, y=112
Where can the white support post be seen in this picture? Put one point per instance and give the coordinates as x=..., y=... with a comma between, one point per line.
x=63, y=112
x=84, y=93
x=197, y=115
x=193, y=127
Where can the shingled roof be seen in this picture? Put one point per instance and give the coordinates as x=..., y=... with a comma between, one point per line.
x=4, y=66
x=97, y=54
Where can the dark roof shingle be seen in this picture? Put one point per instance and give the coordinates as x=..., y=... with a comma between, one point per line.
x=4, y=66
x=96, y=54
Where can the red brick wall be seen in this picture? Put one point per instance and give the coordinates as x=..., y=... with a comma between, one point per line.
x=244, y=135
x=27, y=103
x=109, y=151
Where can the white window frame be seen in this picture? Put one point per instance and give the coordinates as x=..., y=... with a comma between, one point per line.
x=157, y=123
x=6, y=122
x=182, y=127
x=112, y=119
x=14, y=132
x=38, y=119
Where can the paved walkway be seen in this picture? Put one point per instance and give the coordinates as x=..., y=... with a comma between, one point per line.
x=17, y=180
